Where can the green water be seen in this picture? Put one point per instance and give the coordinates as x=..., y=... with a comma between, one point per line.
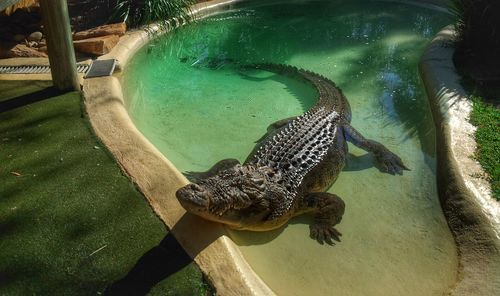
x=185, y=94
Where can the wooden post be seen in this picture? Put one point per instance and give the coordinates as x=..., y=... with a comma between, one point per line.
x=62, y=60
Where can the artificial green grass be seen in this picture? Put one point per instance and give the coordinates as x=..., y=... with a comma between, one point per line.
x=487, y=120
x=70, y=222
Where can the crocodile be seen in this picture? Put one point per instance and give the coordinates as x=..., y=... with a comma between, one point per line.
x=290, y=168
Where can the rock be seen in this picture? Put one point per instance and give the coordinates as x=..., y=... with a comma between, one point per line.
x=113, y=29
x=43, y=49
x=21, y=50
x=31, y=43
x=35, y=36
x=98, y=45
x=42, y=43
x=18, y=37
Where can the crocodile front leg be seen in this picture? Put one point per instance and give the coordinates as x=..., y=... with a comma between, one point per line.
x=214, y=170
x=388, y=162
x=328, y=210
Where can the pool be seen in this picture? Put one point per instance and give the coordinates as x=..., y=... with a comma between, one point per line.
x=187, y=95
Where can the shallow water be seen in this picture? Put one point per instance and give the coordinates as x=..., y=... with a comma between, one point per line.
x=188, y=97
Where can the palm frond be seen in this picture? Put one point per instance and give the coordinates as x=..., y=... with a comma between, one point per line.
x=143, y=12
x=477, y=23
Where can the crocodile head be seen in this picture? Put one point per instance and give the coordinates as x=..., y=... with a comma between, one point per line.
x=235, y=196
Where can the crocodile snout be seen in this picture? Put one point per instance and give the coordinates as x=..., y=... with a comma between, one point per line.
x=193, y=197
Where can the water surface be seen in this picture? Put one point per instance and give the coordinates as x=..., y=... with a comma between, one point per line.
x=187, y=96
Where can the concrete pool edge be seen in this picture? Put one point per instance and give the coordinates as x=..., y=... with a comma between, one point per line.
x=472, y=214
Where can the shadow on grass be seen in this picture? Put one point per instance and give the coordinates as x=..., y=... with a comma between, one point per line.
x=30, y=98
x=154, y=266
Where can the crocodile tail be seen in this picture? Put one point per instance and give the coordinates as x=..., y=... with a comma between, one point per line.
x=330, y=96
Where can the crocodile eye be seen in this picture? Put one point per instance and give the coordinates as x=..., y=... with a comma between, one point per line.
x=258, y=181
x=196, y=187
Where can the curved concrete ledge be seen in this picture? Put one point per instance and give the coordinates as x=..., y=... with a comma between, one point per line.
x=472, y=214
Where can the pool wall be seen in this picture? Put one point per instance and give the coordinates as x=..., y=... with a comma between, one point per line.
x=472, y=214
x=472, y=222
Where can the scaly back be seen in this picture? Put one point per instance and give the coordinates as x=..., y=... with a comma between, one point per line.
x=299, y=146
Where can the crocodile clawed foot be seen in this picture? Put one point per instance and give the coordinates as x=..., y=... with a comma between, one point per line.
x=324, y=233
x=390, y=163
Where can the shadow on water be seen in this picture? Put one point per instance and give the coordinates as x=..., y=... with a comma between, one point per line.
x=252, y=238
x=303, y=91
